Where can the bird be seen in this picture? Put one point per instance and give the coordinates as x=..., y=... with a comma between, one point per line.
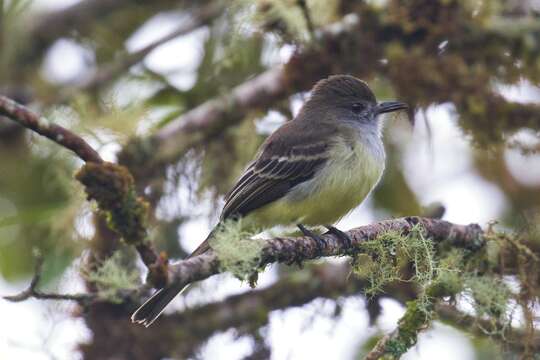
x=311, y=171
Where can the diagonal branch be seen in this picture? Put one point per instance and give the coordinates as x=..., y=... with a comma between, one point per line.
x=339, y=48
x=54, y=132
x=80, y=18
x=111, y=185
x=513, y=337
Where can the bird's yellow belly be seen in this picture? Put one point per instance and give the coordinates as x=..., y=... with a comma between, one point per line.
x=339, y=187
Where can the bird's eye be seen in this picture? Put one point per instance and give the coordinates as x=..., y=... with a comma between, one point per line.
x=358, y=107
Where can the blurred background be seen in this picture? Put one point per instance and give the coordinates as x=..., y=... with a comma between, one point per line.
x=124, y=74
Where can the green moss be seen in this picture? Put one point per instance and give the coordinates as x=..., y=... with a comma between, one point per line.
x=238, y=253
x=415, y=319
x=112, y=186
x=137, y=153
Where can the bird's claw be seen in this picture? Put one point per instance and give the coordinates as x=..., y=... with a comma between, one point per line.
x=344, y=237
x=321, y=243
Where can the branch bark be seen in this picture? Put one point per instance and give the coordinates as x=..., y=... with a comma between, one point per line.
x=291, y=250
x=63, y=137
x=33, y=292
x=513, y=337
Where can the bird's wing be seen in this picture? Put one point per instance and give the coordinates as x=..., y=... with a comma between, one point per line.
x=273, y=174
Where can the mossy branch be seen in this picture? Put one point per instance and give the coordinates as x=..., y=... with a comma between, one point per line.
x=397, y=343
x=292, y=250
x=113, y=188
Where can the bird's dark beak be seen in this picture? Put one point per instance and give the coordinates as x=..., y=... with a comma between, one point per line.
x=390, y=106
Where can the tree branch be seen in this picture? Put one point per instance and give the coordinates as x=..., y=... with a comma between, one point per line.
x=111, y=185
x=33, y=292
x=513, y=337
x=297, y=249
x=80, y=18
x=63, y=137
x=147, y=156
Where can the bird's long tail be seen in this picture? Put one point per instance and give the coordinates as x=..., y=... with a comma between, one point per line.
x=148, y=312
x=153, y=307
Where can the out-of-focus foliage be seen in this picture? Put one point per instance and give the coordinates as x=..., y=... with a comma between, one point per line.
x=39, y=206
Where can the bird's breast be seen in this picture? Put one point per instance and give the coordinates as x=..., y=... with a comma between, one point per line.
x=352, y=171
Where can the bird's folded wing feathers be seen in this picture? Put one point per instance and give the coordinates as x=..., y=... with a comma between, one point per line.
x=272, y=176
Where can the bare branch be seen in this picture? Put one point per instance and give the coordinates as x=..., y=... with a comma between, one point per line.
x=33, y=292
x=44, y=127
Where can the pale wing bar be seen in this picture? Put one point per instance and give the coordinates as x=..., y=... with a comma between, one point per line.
x=270, y=178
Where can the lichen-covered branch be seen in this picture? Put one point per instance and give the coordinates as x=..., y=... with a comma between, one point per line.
x=291, y=250
x=405, y=335
x=113, y=188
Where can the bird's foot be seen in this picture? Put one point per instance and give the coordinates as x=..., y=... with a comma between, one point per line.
x=321, y=243
x=346, y=239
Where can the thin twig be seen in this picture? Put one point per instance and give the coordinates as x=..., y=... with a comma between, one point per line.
x=32, y=292
x=307, y=17
x=511, y=336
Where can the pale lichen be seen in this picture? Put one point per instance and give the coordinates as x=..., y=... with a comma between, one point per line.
x=490, y=298
x=43, y=123
x=383, y=259
x=237, y=251
x=112, y=276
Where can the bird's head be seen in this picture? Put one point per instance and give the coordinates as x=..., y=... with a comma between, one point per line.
x=348, y=99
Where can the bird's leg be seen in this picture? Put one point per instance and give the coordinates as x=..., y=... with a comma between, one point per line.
x=321, y=243
x=346, y=239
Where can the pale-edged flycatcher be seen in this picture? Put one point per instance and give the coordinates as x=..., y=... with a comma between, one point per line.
x=311, y=171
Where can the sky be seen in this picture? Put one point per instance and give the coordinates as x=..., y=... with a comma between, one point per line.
x=438, y=168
